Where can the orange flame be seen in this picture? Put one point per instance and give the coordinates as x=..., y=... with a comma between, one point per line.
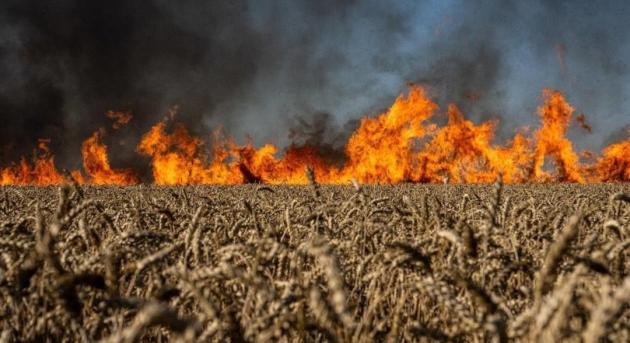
x=96, y=164
x=461, y=152
x=41, y=171
x=399, y=145
x=551, y=140
x=179, y=158
x=382, y=148
x=614, y=164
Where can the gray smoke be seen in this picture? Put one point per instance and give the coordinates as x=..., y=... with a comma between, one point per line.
x=304, y=71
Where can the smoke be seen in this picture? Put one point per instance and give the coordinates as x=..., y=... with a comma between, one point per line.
x=66, y=63
x=320, y=132
x=310, y=68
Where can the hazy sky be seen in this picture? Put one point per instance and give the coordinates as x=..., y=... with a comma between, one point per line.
x=258, y=68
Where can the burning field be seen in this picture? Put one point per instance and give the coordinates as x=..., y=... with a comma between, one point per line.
x=239, y=243
x=314, y=171
x=315, y=263
x=522, y=240
x=402, y=144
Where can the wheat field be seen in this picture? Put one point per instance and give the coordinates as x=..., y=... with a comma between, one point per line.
x=256, y=263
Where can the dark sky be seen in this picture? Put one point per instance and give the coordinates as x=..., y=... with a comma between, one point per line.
x=259, y=68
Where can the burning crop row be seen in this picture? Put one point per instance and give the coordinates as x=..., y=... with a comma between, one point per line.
x=383, y=149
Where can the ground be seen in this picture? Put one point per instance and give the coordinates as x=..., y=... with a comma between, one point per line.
x=315, y=263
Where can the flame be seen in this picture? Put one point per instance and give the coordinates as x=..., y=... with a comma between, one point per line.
x=179, y=158
x=96, y=164
x=379, y=151
x=614, y=164
x=382, y=148
x=42, y=170
x=462, y=152
x=551, y=140
x=399, y=145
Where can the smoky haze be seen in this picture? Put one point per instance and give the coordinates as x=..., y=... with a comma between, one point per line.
x=304, y=71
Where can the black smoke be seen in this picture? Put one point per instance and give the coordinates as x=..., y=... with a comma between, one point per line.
x=65, y=63
x=302, y=71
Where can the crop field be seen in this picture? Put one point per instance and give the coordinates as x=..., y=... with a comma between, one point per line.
x=315, y=263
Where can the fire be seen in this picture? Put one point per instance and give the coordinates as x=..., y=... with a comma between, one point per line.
x=179, y=158
x=614, y=164
x=551, y=140
x=399, y=145
x=261, y=164
x=40, y=171
x=462, y=152
x=96, y=164
x=382, y=148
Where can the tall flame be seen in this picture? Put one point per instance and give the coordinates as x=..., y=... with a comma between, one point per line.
x=551, y=140
x=399, y=145
x=382, y=148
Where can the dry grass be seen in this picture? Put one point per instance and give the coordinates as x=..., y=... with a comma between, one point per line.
x=318, y=263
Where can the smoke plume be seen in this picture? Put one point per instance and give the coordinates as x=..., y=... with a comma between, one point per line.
x=303, y=71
